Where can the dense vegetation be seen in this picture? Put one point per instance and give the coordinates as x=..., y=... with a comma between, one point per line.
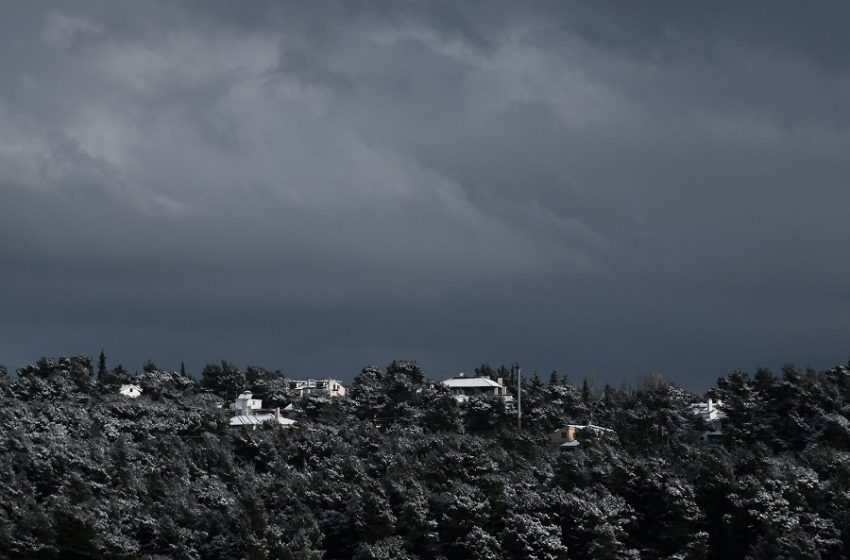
x=400, y=470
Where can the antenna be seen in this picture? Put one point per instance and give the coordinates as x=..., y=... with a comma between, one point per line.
x=518, y=396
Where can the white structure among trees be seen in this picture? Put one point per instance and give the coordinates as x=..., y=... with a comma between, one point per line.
x=130, y=390
x=712, y=414
x=317, y=387
x=569, y=435
x=249, y=412
x=463, y=387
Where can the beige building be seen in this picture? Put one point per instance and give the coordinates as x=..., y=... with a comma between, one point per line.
x=569, y=435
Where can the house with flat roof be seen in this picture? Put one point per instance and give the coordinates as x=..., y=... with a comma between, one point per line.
x=712, y=414
x=328, y=387
x=249, y=411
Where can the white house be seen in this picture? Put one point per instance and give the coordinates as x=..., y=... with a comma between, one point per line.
x=318, y=387
x=567, y=436
x=245, y=404
x=130, y=390
x=712, y=413
x=250, y=412
x=463, y=387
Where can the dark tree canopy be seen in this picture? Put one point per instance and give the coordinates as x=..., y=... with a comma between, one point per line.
x=401, y=469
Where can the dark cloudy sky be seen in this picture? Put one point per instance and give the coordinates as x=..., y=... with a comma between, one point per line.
x=595, y=187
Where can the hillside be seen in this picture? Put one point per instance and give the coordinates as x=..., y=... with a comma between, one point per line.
x=399, y=469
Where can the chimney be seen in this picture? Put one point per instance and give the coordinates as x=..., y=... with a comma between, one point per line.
x=277, y=414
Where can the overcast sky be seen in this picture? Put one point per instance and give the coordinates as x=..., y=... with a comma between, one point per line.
x=598, y=188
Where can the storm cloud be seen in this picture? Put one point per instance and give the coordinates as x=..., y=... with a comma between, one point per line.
x=593, y=188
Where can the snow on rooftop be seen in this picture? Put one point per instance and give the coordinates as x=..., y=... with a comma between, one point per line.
x=257, y=419
x=470, y=382
x=584, y=427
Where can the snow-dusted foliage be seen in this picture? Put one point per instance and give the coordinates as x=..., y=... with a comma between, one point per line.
x=400, y=469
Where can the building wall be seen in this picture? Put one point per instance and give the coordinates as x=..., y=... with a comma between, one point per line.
x=130, y=391
x=318, y=387
x=563, y=435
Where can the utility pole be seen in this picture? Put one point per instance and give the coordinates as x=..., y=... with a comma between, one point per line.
x=518, y=396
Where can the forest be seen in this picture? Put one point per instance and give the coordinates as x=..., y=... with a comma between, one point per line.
x=398, y=469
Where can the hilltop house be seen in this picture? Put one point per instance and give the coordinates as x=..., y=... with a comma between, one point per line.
x=463, y=387
x=712, y=414
x=568, y=436
x=249, y=411
x=130, y=390
x=318, y=387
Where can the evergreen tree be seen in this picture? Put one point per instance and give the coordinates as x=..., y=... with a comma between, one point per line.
x=404, y=369
x=401, y=470
x=101, y=366
x=225, y=380
x=485, y=370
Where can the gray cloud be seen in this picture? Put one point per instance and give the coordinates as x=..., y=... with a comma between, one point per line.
x=591, y=188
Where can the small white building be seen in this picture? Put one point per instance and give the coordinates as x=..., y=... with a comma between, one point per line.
x=712, y=413
x=317, y=387
x=568, y=436
x=245, y=404
x=130, y=390
x=463, y=387
x=250, y=412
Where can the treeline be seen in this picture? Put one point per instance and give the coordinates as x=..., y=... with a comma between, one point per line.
x=399, y=469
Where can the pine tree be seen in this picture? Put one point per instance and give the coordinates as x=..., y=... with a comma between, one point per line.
x=585, y=391
x=536, y=384
x=101, y=366
x=485, y=370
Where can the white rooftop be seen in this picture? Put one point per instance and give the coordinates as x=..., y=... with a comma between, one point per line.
x=470, y=382
x=588, y=426
x=257, y=419
x=313, y=382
